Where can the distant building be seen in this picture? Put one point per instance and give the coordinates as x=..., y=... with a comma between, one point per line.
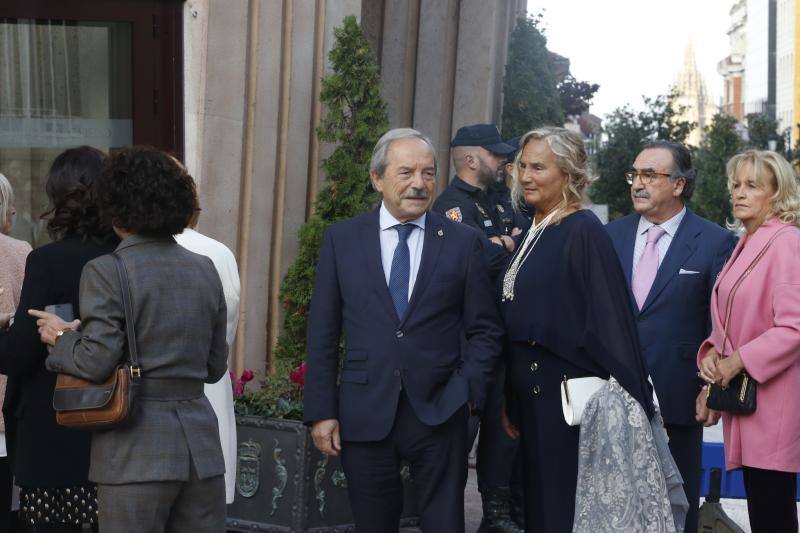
x=732, y=67
x=693, y=102
x=785, y=78
x=759, y=76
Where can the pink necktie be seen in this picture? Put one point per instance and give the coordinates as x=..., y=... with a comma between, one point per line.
x=648, y=266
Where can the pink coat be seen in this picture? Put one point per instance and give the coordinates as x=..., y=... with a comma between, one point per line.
x=765, y=328
x=13, y=254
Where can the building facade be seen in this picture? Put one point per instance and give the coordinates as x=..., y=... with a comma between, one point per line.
x=232, y=88
x=731, y=68
x=757, y=58
x=785, y=85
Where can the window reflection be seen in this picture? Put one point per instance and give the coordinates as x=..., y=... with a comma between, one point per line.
x=64, y=84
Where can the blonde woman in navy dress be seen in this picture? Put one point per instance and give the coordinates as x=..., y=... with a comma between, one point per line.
x=567, y=313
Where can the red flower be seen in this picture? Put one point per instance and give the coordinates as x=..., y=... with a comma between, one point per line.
x=239, y=389
x=247, y=375
x=298, y=375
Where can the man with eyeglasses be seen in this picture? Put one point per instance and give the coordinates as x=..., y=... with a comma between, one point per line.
x=671, y=258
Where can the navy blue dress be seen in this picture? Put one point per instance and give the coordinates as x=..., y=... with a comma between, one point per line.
x=571, y=317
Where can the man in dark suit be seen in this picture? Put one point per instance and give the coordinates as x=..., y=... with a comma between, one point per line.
x=409, y=290
x=671, y=258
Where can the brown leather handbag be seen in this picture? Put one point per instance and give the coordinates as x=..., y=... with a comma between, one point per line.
x=80, y=403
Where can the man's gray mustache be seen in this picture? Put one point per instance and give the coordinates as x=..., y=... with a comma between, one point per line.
x=416, y=196
x=643, y=194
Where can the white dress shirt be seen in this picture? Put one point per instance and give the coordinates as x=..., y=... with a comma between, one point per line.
x=389, y=240
x=669, y=227
x=220, y=394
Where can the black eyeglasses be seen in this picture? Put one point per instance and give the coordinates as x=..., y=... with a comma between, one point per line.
x=646, y=177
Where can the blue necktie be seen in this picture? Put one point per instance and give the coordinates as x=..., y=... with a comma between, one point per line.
x=401, y=269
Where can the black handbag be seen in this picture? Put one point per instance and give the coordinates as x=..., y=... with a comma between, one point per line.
x=80, y=403
x=738, y=397
x=740, y=394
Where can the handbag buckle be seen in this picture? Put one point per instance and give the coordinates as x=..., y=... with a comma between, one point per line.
x=136, y=371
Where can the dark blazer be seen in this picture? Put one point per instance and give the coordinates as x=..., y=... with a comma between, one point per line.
x=442, y=352
x=42, y=453
x=675, y=318
x=180, y=317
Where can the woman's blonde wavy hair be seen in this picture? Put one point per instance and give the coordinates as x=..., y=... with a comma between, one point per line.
x=769, y=168
x=571, y=158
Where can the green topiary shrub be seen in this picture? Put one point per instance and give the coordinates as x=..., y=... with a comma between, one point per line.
x=355, y=118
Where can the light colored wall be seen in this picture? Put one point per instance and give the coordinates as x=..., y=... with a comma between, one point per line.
x=756, y=58
x=252, y=70
x=784, y=78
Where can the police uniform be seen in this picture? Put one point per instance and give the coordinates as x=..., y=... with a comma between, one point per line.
x=510, y=218
x=467, y=204
x=462, y=202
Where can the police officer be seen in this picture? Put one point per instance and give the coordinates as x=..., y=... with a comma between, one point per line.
x=514, y=221
x=478, y=154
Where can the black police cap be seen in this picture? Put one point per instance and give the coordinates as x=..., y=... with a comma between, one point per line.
x=483, y=135
x=513, y=143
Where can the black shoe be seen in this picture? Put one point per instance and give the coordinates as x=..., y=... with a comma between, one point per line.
x=496, y=515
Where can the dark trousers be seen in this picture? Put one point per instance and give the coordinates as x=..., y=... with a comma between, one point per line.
x=437, y=457
x=496, y=450
x=771, y=499
x=686, y=447
x=6, y=487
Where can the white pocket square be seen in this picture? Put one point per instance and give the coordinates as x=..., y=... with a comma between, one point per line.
x=683, y=271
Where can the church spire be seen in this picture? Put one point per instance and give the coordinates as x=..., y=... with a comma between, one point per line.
x=693, y=96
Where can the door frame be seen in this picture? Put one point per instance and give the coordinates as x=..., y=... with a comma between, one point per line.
x=156, y=62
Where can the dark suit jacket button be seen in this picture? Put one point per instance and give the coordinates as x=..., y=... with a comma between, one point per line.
x=536, y=389
x=531, y=343
x=397, y=373
x=398, y=333
x=534, y=366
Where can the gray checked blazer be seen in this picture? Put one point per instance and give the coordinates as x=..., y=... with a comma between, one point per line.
x=180, y=321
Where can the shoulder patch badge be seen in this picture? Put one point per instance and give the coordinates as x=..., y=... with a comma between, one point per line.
x=454, y=214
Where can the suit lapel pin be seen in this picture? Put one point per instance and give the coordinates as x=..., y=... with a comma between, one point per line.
x=440, y=233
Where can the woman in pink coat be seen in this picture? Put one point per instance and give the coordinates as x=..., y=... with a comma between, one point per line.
x=763, y=336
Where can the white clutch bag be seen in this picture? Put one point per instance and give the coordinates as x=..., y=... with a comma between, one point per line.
x=575, y=393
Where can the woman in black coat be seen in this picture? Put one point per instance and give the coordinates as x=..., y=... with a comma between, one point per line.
x=50, y=462
x=567, y=314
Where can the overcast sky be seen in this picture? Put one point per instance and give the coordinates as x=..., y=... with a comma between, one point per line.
x=635, y=47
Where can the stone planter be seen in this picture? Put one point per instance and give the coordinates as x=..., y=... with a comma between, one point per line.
x=283, y=483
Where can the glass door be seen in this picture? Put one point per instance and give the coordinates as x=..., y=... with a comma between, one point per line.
x=103, y=73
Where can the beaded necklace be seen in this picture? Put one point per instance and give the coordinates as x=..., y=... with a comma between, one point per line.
x=522, y=253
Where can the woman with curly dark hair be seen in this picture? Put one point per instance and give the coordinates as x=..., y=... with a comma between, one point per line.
x=50, y=462
x=162, y=471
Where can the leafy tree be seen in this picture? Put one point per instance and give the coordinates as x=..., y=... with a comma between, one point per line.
x=355, y=119
x=531, y=98
x=760, y=129
x=576, y=96
x=711, y=197
x=628, y=132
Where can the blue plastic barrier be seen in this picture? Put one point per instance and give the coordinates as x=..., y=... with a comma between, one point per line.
x=732, y=482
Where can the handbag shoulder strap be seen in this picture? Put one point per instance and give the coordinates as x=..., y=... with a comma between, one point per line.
x=133, y=352
x=729, y=304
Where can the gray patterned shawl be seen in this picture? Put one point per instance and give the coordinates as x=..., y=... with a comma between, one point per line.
x=627, y=479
